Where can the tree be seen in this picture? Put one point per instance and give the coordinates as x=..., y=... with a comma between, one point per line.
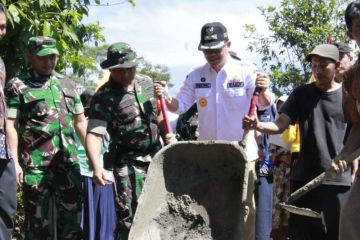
x=88, y=75
x=296, y=27
x=85, y=69
x=157, y=72
x=60, y=19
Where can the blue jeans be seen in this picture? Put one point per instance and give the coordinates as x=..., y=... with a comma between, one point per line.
x=264, y=202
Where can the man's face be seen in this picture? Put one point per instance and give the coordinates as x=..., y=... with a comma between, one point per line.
x=44, y=65
x=217, y=57
x=323, y=69
x=123, y=76
x=354, y=32
x=345, y=64
x=2, y=25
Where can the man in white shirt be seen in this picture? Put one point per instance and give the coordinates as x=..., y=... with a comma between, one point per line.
x=222, y=89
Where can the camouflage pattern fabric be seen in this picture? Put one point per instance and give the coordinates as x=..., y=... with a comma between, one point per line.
x=52, y=197
x=130, y=120
x=44, y=108
x=45, y=112
x=129, y=180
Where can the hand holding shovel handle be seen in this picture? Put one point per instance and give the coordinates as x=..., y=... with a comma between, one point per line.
x=165, y=116
x=163, y=109
x=251, y=113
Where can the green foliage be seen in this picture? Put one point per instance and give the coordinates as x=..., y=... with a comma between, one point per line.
x=60, y=19
x=157, y=72
x=85, y=66
x=20, y=216
x=89, y=76
x=296, y=27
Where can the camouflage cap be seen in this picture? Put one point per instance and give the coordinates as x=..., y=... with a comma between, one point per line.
x=42, y=46
x=120, y=55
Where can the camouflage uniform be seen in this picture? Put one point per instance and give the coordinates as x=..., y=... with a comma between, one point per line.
x=48, y=154
x=130, y=119
x=7, y=171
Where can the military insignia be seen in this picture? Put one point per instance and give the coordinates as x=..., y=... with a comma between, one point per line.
x=202, y=79
x=202, y=85
x=235, y=84
x=236, y=78
x=203, y=102
x=210, y=30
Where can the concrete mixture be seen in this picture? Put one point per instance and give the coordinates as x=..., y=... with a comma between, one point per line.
x=193, y=190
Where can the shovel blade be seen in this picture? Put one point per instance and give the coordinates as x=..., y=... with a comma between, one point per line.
x=300, y=211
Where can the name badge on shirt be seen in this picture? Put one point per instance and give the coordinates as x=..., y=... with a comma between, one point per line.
x=235, y=84
x=202, y=85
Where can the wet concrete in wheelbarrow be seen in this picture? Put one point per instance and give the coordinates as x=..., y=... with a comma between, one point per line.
x=193, y=190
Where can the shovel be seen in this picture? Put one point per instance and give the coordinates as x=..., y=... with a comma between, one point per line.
x=307, y=188
x=251, y=113
x=304, y=190
x=165, y=115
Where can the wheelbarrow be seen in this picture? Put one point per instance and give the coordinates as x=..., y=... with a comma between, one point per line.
x=198, y=190
x=192, y=195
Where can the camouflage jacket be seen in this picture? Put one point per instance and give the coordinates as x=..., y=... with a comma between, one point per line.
x=4, y=147
x=130, y=119
x=44, y=112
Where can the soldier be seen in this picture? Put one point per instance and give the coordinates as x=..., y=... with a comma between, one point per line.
x=44, y=108
x=125, y=108
x=7, y=169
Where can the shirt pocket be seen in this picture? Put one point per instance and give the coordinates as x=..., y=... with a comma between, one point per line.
x=234, y=98
x=35, y=107
x=128, y=113
x=202, y=92
x=69, y=96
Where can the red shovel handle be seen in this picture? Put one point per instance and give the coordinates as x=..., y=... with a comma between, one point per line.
x=251, y=113
x=165, y=116
x=253, y=102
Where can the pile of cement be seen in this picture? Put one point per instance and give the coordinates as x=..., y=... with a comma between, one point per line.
x=180, y=220
x=193, y=191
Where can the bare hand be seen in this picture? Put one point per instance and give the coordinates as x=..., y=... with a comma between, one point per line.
x=170, y=138
x=99, y=177
x=160, y=89
x=339, y=166
x=262, y=81
x=19, y=174
x=250, y=123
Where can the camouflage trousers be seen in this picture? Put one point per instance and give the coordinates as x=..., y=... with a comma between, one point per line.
x=129, y=181
x=52, y=201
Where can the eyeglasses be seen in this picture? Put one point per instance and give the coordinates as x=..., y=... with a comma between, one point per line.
x=212, y=51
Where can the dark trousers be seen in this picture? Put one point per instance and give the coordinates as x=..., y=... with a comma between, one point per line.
x=8, y=201
x=264, y=203
x=325, y=199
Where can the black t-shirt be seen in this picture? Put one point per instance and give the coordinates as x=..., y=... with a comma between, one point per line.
x=322, y=129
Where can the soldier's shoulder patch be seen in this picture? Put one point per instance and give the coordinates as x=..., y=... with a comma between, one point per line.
x=67, y=83
x=17, y=84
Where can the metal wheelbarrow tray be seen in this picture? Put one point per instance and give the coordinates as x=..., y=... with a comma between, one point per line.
x=193, y=190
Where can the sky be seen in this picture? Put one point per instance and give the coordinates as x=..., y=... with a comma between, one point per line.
x=168, y=31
